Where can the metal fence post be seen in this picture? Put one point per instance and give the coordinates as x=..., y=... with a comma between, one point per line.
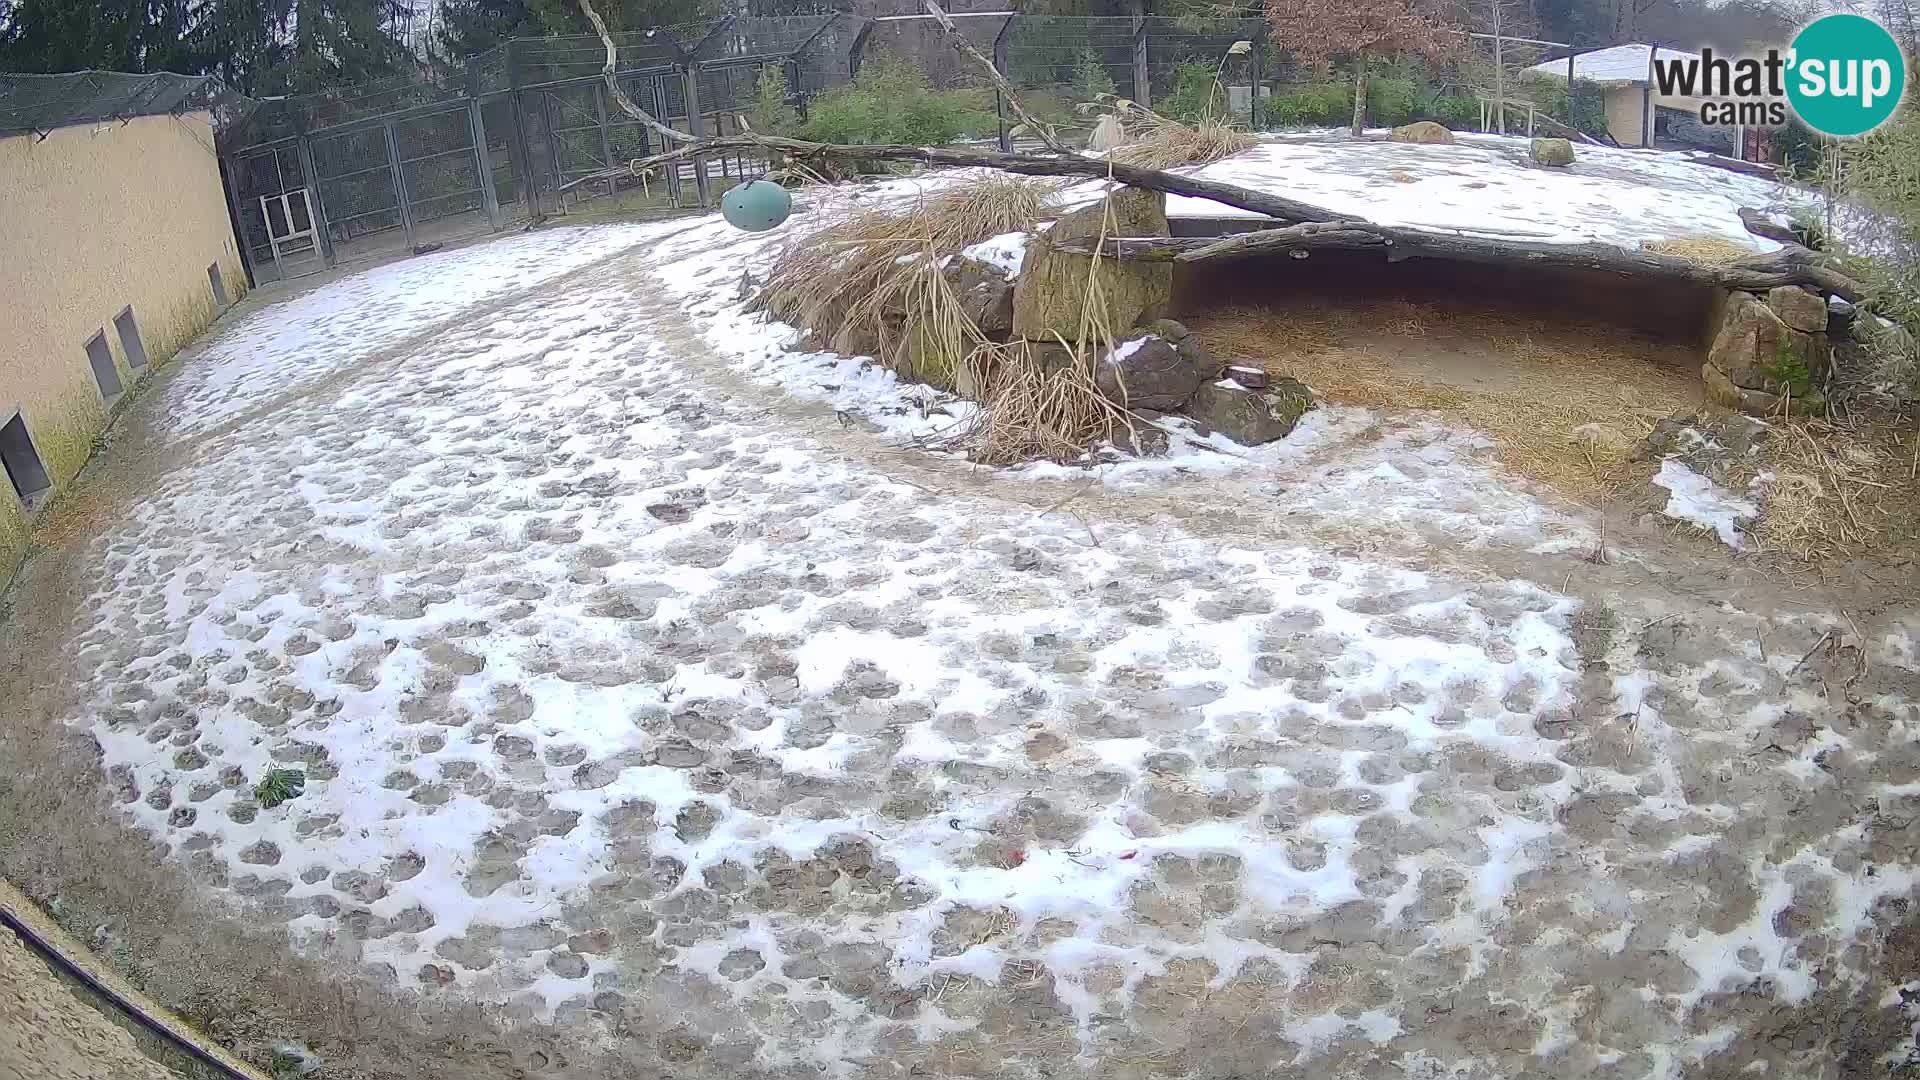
x=1142, y=76
x=696, y=125
x=483, y=162
x=1000, y=65
x=600, y=116
x=518, y=152
x=399, y=183
x=1570, y=57
x=315, y=204
x=1257, y=66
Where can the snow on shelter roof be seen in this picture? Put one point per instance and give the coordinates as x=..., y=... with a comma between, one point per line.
x=1619, y=64
x=1485, y=184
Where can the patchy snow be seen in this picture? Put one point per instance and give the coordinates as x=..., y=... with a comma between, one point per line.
x=1123, y=350
x=646, y=675
x=1695, y=499
x=342, y=321
x=1006, y=251
x=1483, y=184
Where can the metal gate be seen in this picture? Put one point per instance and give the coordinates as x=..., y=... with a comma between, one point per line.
x=271, y=187
x=405, y=183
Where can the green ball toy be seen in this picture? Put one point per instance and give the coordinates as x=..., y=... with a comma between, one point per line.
x=756, y=206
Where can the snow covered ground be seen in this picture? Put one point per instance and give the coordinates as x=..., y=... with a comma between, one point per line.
x=351, y=318
x=1485, y=184
x=645, y=676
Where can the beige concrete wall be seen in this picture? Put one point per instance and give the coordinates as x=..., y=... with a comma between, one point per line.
x=1625, y=116
x=94, y=218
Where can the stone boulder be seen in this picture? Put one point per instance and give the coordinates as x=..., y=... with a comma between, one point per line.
x=985, y=293
x=1051, y=294
x=1157, y=366
x=1250, y=417
x=1799, y=308
x=1721, y=391
x=1756, y=360
x=1423, y=131
x=1558, y=152
x=1148, y=372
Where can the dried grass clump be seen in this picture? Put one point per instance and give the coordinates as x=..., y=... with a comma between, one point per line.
x=1040, y=402
x=1705, y=250
x=1840, y=491
x=1035, y=410
x=838, y=282
x=1160, y=143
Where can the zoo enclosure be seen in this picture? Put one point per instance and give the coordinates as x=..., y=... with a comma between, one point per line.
x=407, y=163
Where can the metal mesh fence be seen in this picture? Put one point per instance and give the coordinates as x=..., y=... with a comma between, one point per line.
x=41, y=103
x=518, y=130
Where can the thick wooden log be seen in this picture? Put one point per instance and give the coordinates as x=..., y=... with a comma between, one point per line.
x=1258, y=202
x=1786, y=267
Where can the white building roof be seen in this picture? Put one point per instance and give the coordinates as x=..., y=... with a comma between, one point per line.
x=1619, y=64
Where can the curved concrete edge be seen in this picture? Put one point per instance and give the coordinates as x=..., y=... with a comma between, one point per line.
x=45, y=936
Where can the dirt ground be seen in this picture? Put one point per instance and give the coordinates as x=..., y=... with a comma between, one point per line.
x=1227, y=795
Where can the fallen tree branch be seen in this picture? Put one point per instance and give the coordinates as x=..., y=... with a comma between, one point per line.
x=1041, y=131
x=1761, y=225
x=1258, y=202
x=619, y=96
x=1785, y=267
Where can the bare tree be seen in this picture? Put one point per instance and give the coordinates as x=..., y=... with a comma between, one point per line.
x=1315, y=31
x=1500, y=19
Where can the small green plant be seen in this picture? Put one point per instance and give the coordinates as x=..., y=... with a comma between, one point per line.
x=772, y=113
x=1090, y=78
x=1789, y=369
x=1196, y=94
x=284, y=1066
x=278, y=786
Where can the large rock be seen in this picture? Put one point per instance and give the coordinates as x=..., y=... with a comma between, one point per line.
x=1798, y=308
x=1423, y=131
x=1721, y=391
x=1755, y=350
x=1250, y=417
x=1051, y=295
x=915, y=359
x=1552, y=152
x=1149, y=370
x=985, y=293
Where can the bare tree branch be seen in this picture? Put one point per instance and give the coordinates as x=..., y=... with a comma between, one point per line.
x=1041, y=131
x=1258, y=202
x=619, y=96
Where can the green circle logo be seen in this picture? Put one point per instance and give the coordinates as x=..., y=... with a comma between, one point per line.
x=1846, y=75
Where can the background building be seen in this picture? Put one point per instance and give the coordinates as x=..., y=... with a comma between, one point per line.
x=119, y=250
x=1638, y=114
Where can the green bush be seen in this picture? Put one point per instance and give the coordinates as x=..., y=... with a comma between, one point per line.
x=1549, y=95
x=1392, y=102
x=772, y=113
x=1460, y=112
x=1312, y=105
x=892, y=102
x=1195, y=95
x=1090, y=77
